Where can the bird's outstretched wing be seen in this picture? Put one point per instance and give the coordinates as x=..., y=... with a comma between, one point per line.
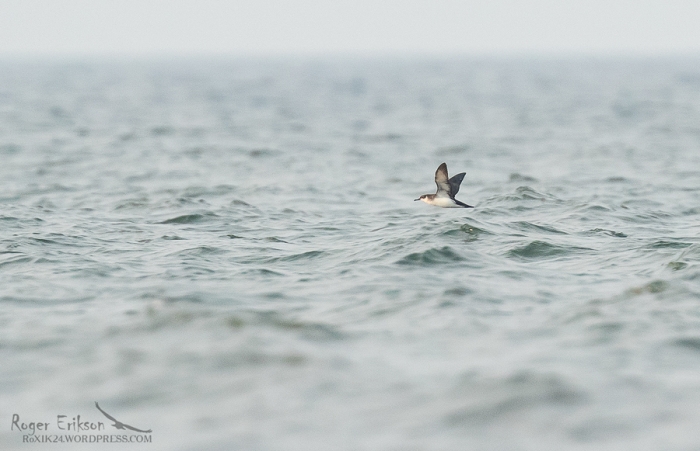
x=134, y=429
x=105, y=413
x=443, y=184
x=454, y=182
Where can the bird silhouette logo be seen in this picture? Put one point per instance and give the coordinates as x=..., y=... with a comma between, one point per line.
x=118, y=424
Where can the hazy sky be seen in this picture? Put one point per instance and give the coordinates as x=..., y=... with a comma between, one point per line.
x=358, y=26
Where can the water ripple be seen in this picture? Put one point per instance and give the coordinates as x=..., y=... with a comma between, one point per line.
x=437, y=256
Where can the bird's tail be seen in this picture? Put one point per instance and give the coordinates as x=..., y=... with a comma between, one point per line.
x=462, y=204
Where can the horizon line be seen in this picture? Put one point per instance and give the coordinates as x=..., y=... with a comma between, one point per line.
x=350, y=54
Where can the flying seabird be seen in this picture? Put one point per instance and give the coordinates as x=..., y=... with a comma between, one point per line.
x=447, y=189
x=118, y=424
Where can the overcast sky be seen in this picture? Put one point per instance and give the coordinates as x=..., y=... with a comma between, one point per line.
x=69, y=27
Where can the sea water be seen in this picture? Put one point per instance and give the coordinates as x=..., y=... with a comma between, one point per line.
x=228, y=252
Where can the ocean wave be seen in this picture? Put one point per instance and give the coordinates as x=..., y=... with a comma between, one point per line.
x=435, y=256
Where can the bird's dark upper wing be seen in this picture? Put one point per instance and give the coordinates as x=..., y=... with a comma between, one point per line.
x=105, y=413
x=443, y=184
x=455, y=182
x=134, y=429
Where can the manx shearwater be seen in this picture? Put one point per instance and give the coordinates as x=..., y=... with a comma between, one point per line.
x=447, y=189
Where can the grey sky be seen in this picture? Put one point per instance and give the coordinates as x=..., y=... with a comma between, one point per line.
x=357, y=26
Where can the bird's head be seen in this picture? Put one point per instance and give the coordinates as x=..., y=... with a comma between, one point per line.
x=426, y=198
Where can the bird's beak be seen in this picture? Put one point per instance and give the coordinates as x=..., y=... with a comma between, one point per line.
x=415, y=200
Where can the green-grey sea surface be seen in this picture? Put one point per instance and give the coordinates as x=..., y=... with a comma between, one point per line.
x=228, y=252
